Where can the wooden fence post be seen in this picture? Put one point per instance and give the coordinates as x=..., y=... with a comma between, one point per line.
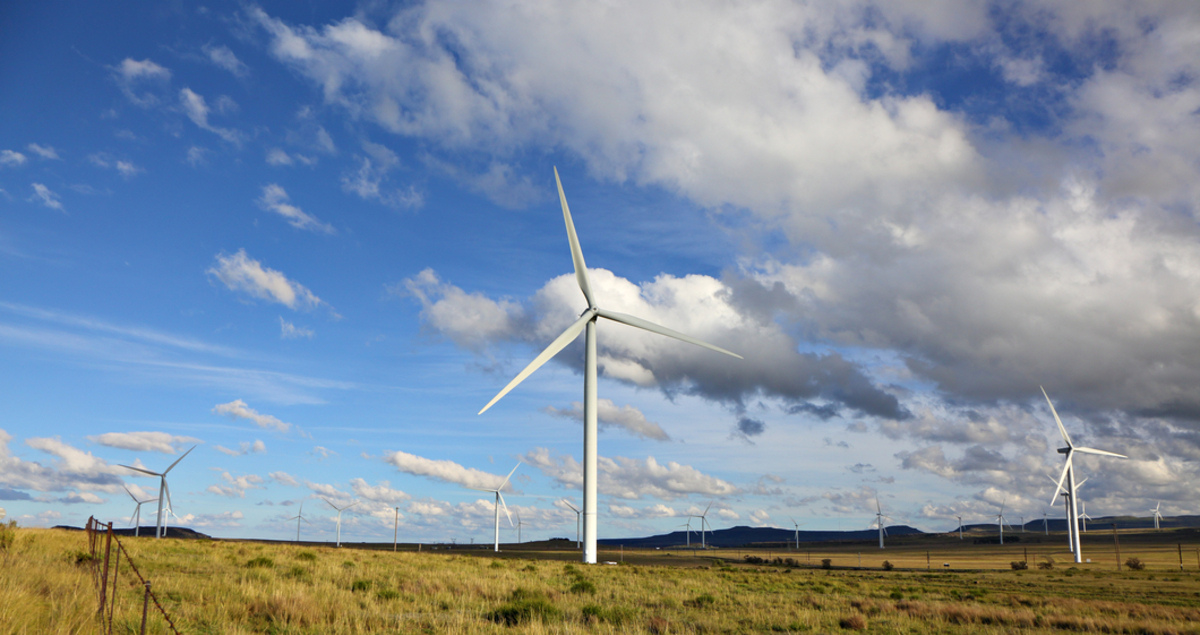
x=104, y=575
x=145, y=607
x=1117, y=543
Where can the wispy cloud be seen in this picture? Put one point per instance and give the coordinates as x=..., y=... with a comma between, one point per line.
x=146, y=76
x=45, y=152
x=289, y=331
x=245, y=447
x=11, y=159
x=196, y=109
x=443, y=470
x=275, y=199
x=46, y=196
x=143, y=441
x=608, y=414
x=242, y=273
x=238, y=409
x=224, y=58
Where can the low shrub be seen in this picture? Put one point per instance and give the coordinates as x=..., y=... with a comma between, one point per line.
x=1046, y=564
x=387, y=594
x=81, y=557
x=826, y=563
x=306, y=555
x=659, y=625
x=701, y=601
x=616, y=615
x=8, y=535
x=524, y=606
x=360, y=585
x=261, y=561
x=583, y=586
x=888, y=566
x=496, y=564
x=853, y=622
x=1135, y=564
x=1019, y=565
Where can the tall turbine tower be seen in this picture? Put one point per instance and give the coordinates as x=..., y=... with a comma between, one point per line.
x=879, y=518
x=798, y=526
x=299, y=517
x=1157, y=514
x=499, y=502
x=339, y=517
x=587, y=322
x=1068, y=475
x=164, y=492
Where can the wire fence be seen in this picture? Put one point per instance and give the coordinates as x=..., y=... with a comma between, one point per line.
x=106, y=568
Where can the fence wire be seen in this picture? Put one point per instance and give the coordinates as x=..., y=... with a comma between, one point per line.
x=101, y=555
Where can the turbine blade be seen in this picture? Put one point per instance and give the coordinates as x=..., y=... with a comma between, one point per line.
x=661, y=330
x=1059, y=487
x=1061, y=429
x=138, y=469
x=568, y=504
x=131, y=494
x=167, y=491
x=505, y=506
x=557, y=345
x=576, y=252
x=179, y=459
x=509, y=476
x=1100, y=452
x=330, y=504
x=710, y=504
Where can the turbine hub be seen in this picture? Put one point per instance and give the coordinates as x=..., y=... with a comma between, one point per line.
x=1066, y=450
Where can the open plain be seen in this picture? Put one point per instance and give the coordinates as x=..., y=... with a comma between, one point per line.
x=221, y=586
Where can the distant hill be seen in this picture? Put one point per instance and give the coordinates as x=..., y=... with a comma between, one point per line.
x=172, y=532
x=742, y=536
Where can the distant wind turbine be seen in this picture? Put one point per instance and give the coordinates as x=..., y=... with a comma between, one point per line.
x=1157, y=514
x=960, y=537
x=687, y=532
x=1068, y=475
x=797, y=526
x=703, y=521
x=879, y=518
x=1000, y=521
x=299, y=517
x=164, y=493
x=1083, y=517
x=1046, y=522
x=339, y=517
x=587, y=322
x=577, y=520
x=499, y=502
x=136, y=518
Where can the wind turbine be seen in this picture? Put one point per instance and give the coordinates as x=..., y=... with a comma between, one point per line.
x=1000, y=521
x=1068, y=475
x=136, y=518
x=959, y=527
x=499, y=502
x=1046, y=522
x=1157, y=515
x=1083, y=515
x=339, y=517
x=519, y=524
x=688, y=531
x=587, y=322
x=703, y=521
x=879, y=520
x=577, y=520
x=299, y=517
x=163, y=491
x=797, y=526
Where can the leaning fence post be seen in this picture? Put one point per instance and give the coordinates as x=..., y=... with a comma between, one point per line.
x=145, y=607
x=104, y=575
x=116, y=571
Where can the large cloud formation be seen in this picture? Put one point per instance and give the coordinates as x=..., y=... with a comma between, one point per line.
x=986, y=241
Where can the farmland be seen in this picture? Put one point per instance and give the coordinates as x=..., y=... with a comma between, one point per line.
x=215, y=586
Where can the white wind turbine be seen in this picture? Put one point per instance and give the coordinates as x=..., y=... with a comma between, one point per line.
x=1068, y=475
x=688, y=531
x=960, y=537
x=163, y=491
x=577, y=520
x=136, y=518
x=703, y=521
x=797, y=526
x=339, y=518
x=587, y=323
x=1083, y=517
x=879, y=518
x=519, y=525
x=1157, y=514
x=1000, y=521
x=499, y=502
x=300, y=516
x=1046, y=522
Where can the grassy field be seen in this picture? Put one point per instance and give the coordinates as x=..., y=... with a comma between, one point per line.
x=248, y=587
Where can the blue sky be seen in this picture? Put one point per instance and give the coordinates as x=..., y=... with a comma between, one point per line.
x=313, y=240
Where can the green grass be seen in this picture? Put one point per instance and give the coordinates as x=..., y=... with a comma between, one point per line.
x=211, y=587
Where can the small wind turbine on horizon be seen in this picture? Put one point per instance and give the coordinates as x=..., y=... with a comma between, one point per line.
x=703, y=521
x=1068, y=475
x=299, y=517
x=586, y=323
x=1083, y=516
x=1046, y=521
x=339, y=517
x=498, y=503
x=136, y=518
x=1157, y=514
x=1000, y=521
x=519, y=525
x=164, y=492
x=960, y=536
x=577, y=520
x=797, y=526
x=879, y=518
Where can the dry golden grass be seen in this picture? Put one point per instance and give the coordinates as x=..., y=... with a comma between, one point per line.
x=245, y=587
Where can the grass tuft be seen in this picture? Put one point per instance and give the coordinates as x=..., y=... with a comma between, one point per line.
x=524, y=606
